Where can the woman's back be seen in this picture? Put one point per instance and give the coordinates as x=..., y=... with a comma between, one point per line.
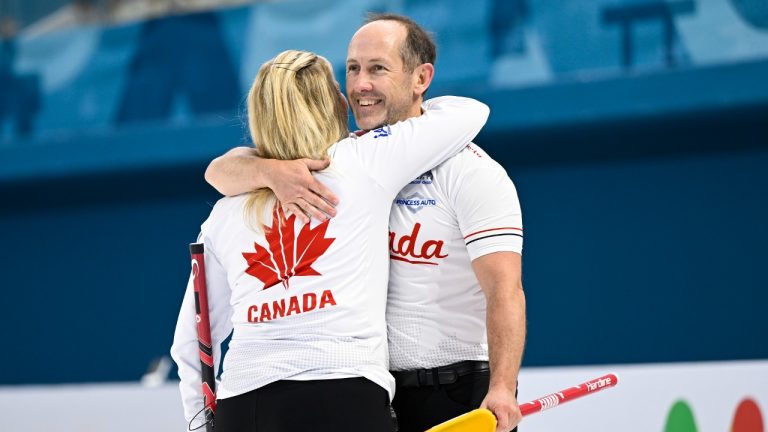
x=307, y=302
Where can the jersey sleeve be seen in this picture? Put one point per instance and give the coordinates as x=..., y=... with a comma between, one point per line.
x=488, y=211
x=394, y=155
x=185, y=346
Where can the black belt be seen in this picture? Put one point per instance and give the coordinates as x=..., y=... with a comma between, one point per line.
x=439, y=375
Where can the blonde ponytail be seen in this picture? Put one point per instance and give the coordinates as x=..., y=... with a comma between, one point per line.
x=295, y=111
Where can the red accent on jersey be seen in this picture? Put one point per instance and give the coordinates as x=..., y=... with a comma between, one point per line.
x=475, y=152
x=492, y=229
x=288, y=255
x=406, y=247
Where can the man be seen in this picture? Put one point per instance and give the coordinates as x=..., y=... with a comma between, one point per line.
x=456, y=308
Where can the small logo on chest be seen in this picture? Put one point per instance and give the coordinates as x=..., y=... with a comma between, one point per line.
x=382, y=132
x=415, y=202
x=425, y=178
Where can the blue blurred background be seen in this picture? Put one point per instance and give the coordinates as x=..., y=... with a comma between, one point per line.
x=636, y=132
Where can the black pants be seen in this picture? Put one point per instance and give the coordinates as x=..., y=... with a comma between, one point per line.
x=420, y=408
x=338, y=405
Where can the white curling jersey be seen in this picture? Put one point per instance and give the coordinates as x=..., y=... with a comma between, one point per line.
x=463, y=209
x=308, y=302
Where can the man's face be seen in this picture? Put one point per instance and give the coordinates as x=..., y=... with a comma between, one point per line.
x=379, y=89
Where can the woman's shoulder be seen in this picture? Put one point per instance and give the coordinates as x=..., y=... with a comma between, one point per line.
x=345, y=155
x=342, y=146
x=226, y=203
x=224, y=209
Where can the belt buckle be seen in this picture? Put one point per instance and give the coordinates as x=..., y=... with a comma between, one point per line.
x=450, y=375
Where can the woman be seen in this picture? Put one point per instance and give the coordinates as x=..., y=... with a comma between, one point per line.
x=306, y=303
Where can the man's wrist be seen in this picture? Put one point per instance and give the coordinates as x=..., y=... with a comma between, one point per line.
x=265, y=169
x=501, y=383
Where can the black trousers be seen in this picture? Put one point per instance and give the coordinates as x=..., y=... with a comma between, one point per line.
x=338, y=405
x=420, y=408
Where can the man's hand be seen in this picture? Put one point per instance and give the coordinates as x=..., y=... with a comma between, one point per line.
x=501, y=401
x=240, y=171
x=499, y=274
x=298, y=191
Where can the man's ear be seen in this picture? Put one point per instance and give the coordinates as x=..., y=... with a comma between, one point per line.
x=423, y=78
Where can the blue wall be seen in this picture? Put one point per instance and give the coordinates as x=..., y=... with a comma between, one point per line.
x=643, y=194
x=630, y=256
x=647, y=260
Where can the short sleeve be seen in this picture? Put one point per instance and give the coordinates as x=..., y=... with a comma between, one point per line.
x=488, y=210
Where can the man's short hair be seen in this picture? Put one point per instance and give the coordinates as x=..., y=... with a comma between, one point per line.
x=418, y=47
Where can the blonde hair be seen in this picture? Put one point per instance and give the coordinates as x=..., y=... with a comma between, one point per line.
x=295, y=110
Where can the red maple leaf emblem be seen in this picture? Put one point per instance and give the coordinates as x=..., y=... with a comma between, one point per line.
x=288, y=255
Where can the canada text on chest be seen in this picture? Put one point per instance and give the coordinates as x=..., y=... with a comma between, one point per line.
x=408, y=246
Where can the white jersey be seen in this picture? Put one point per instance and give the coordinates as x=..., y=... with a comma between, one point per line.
x=463, y=209
x=308, y=302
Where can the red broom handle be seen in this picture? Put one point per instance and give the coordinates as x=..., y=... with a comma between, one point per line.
x=197, y=251
x=569, y=394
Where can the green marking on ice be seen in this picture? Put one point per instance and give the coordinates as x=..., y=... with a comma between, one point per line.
x=680, y=418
